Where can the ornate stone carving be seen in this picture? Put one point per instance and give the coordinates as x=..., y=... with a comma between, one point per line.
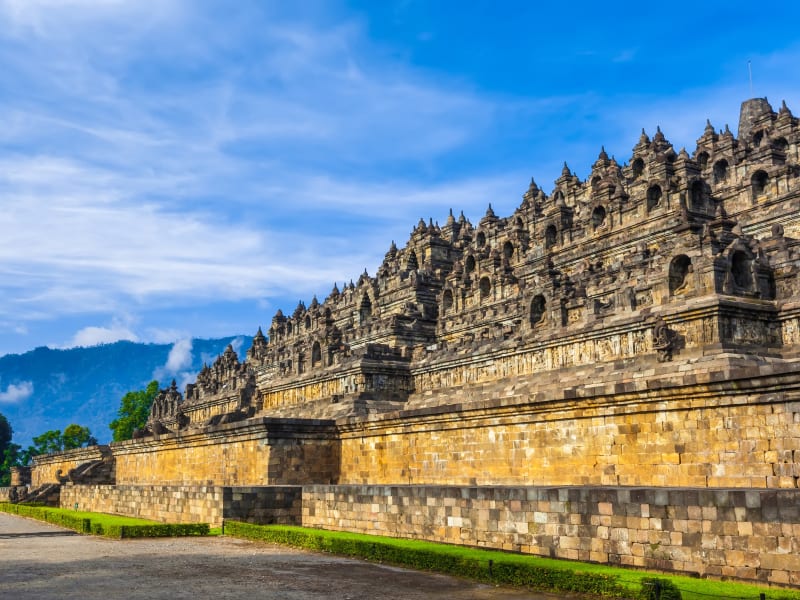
x=663, y=339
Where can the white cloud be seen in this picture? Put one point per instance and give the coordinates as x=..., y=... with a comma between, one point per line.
x=192, y=191
x=237, y=346
x=93, y=336
x=17, y=392
x=151, y=167
x=178, y=365
x=163, y=336
x=180, y=357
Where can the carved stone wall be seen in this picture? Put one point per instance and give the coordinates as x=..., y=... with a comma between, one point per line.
x=45, y=467
x=637, y=328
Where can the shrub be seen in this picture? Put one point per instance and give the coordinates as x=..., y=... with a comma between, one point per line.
x=119, y=531
x=654, y=588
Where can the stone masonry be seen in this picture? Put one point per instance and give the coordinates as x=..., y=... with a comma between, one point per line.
x=636, y=330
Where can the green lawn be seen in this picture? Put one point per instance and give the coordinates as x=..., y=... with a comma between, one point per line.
x=115, y=526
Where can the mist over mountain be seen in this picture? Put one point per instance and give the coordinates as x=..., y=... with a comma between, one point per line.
x=48, y=388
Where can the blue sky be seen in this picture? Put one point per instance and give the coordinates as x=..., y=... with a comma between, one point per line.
x=177, y=168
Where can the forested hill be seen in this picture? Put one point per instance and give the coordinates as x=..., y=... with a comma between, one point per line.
x=48, y=389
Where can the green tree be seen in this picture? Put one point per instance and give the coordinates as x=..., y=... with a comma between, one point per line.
x=133, y=411
x=13, y=456
x=5, y=433
x=8, y=451
x=47, y=442
x=75, y=436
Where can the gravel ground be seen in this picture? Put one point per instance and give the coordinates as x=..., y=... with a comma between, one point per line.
x=40, y=561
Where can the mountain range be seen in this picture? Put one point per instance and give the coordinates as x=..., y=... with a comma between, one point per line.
x=49, y=388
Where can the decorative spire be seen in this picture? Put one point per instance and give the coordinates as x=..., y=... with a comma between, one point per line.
x=490, y=212
x=644, y=138
x=314, y=303
x=784, y=110
x=683, y=154
x=565, y=172
x=450, y=218
x=602, y=156
x=659, y=136
x=709, y=130
x=727, y=131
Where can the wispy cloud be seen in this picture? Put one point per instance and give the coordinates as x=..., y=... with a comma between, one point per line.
x=57, y=18
x=94, y=336
x=178, y=364
x=146, y=167
x=16, y=392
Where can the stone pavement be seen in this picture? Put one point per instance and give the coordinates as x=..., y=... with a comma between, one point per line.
x=39, y=561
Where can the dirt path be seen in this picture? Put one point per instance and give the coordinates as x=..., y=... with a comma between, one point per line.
x=40, y=561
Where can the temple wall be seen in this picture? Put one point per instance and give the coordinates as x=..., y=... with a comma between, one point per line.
x=371, y=377
x=302, y=392
x=742, y=433
x=11, y=493
x=165, y=503
x=20, y=476
x=203, y=411
x=702, y=323
x=746, y=534
x=258, y=452
x=188, y=503
x=45, y=467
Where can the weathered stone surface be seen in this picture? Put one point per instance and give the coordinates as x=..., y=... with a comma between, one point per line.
x=578, y=523
x=639, y=329
x=47, y=468
x=255, y=452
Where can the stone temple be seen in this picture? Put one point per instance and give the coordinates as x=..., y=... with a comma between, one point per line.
x=611, y=373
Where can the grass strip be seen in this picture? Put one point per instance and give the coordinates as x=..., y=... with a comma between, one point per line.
x=115, y=526
x=504, y=568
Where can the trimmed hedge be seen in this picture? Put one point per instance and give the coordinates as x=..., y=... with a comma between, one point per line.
x=426, y=556
x=47, y=514
x=104, y=525
x=145, y=531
